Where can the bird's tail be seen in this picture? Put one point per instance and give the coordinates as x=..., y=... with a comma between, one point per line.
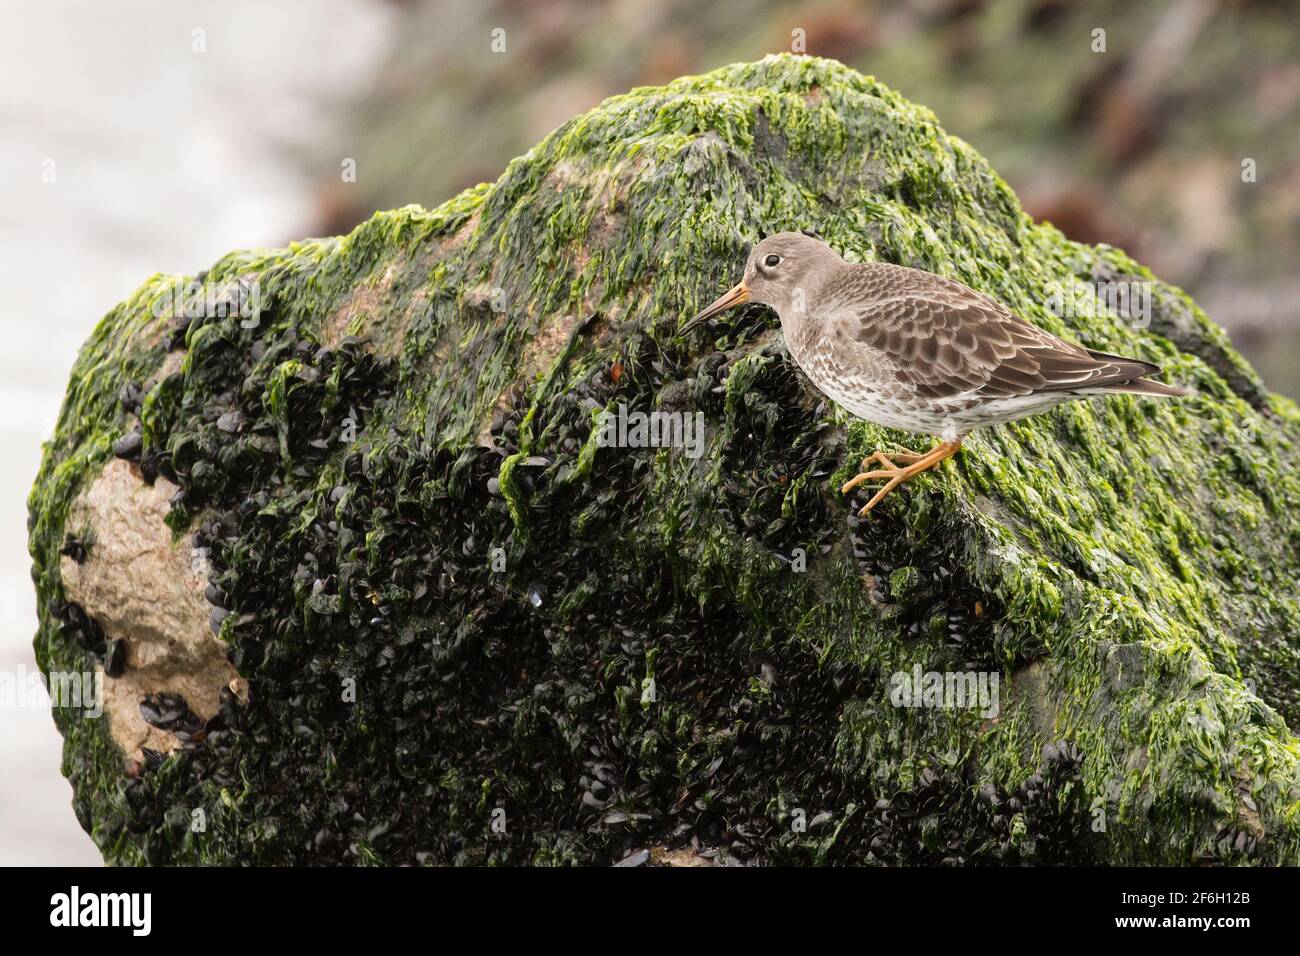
x=1139, y=384
x=1144, y=386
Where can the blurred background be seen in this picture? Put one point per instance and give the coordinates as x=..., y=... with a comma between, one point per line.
x=155, y=135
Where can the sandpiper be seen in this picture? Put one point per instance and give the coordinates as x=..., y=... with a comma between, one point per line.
x=912, y=350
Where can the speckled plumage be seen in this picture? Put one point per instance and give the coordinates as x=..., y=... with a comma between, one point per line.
x=913, y=350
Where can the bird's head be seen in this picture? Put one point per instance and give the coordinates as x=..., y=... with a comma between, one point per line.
x=783, y=272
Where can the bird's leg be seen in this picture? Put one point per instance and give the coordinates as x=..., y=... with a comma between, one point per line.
x=898, y=475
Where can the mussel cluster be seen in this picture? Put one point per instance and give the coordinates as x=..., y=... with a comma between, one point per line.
x=79, y=627
x=773, y=439
x=943, y=821
x=915, y=578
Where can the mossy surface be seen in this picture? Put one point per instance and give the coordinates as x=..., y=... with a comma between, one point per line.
x=607, y=648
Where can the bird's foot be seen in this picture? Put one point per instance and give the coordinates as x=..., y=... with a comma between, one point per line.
x=891, y=464
x=894, y=475
x=891, y=460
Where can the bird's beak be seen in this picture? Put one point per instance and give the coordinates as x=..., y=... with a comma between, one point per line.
x=736, y=295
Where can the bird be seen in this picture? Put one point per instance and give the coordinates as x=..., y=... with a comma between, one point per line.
x=912, y=350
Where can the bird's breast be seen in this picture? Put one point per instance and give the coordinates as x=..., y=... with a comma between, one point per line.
x=853, y=377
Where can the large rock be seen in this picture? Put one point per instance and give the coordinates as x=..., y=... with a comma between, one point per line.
x=469, y=631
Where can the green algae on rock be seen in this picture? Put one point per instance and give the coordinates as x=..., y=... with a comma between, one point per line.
x=472, y=633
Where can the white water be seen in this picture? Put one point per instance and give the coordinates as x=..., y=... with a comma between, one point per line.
x=163, y=159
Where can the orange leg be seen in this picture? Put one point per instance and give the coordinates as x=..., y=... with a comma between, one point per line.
x=895, y=475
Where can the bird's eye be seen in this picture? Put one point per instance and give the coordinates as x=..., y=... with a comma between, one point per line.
x=772, y=261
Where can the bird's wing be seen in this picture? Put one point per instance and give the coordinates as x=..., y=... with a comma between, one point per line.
x=944, y=339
